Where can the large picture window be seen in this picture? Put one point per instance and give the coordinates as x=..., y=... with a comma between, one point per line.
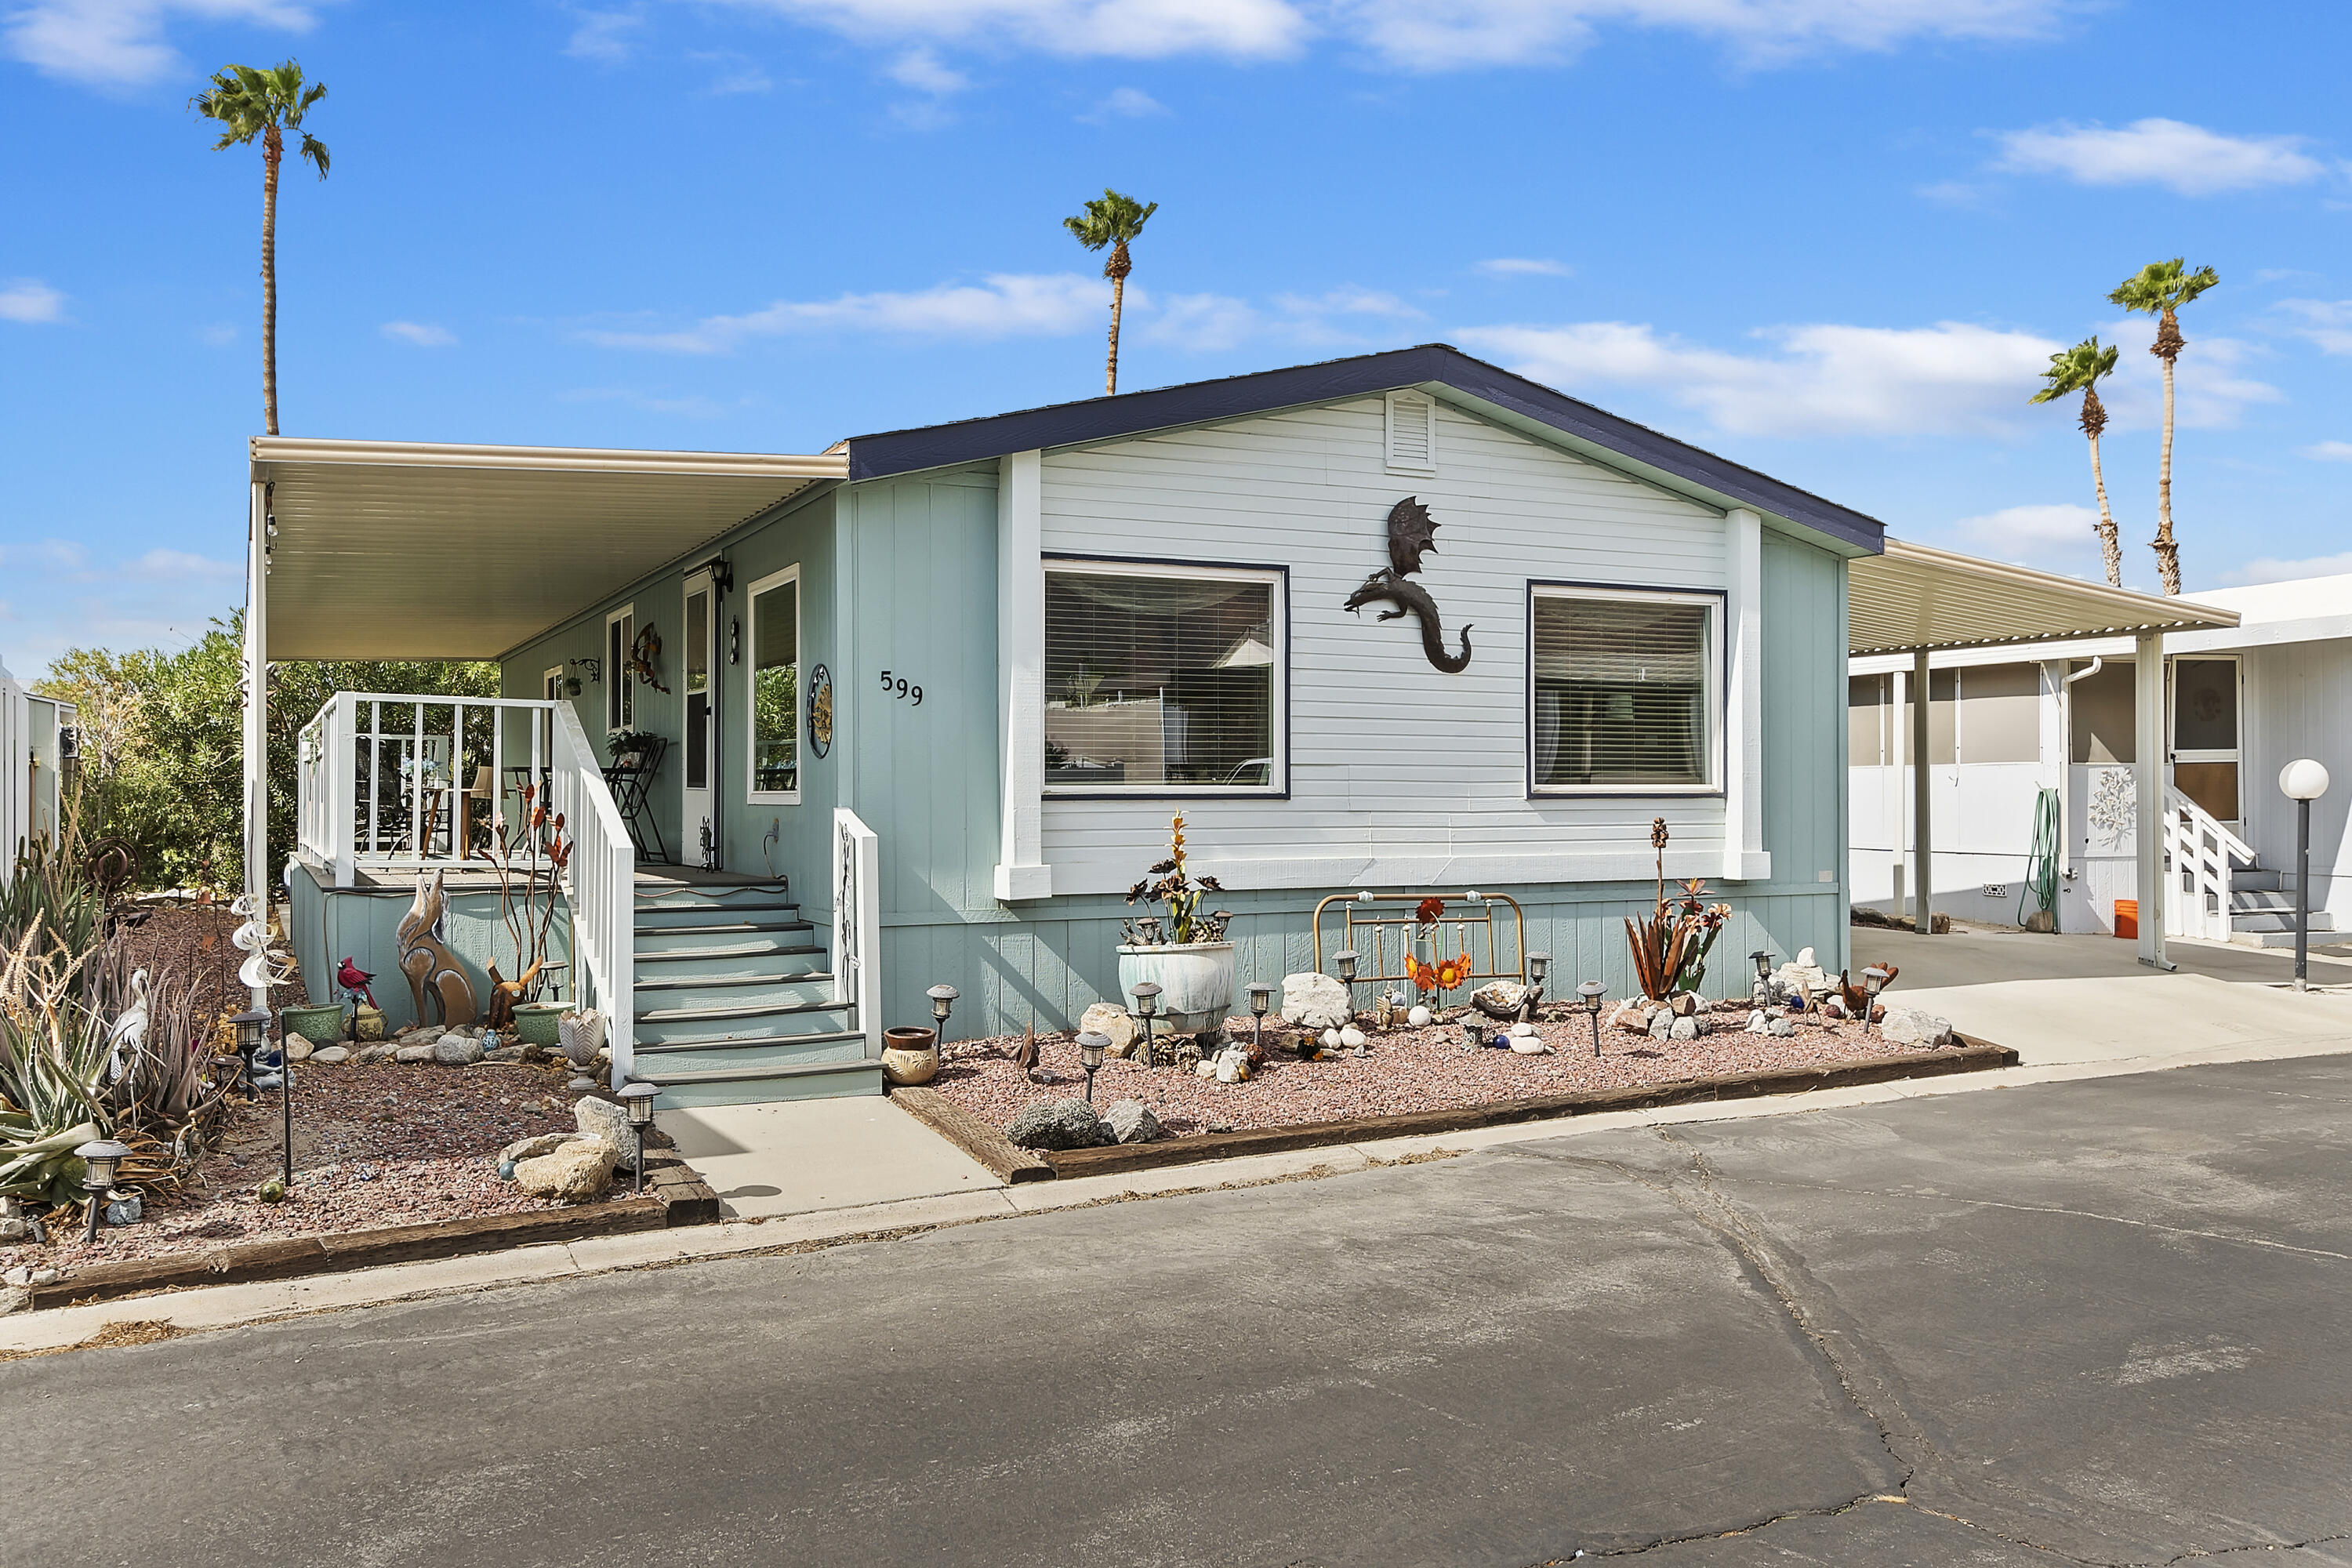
x=1624, y=691
x=775, y=688
x=1164, y=679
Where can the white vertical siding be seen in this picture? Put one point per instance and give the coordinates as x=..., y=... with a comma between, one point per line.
x=1398, y=772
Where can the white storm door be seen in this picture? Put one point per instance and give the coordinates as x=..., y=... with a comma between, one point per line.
x=2205, y=735
x=699, y=832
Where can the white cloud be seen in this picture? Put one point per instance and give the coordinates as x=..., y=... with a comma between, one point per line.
x=737, y=74
x=2327, y=322
x=1130, y=29
x=1952, y=378
x=2030, y=534
x=2328, y=452
x=1215, y=323
x=1006, y=305
x=2210, y=392
x=30, y=300
x=1124, y=103
x=606, y=36
x=216, y=335
x=61, y=597
x=1202, y=323
x=2269, y=569
x=921, y=69
x=122, y=43
x=418, y=334
x=2188, y=159
x=1523, y=267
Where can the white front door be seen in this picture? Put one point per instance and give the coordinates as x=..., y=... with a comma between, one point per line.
x=699, y=829
x=2205, y=736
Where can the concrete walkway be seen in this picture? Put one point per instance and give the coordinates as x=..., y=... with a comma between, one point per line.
x=805, y=1156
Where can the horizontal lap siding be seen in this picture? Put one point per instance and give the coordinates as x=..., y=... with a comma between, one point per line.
x=1387, y=753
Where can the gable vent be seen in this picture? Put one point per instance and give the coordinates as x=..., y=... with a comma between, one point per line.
x=1413, y=432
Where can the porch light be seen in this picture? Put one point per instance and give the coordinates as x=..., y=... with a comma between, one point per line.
x=943, y=1001
x=1261, y=996
x=252, y=1034
x=1592, y=991
x=1092, y=1048
x=637, y=1101
x=1874, y=980
x=1147, y=1003
x=2303, y=781
x=100, y=1162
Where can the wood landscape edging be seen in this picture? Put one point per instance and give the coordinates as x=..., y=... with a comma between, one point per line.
x=674, y=1195
x=975, y=1135
x=1972, y=1056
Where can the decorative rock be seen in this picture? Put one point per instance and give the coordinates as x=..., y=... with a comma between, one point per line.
x=329, y=1055
x=457, y=1050
x=1683, y=1029
x=1759, y=1023
x=1631, y=1016
x=507, y=1054
x=523, y=1149
x=413, y=1053
x=18, y=1277
x=1058, y=1124
x=299, y=1048
x=13, y=1229
x=1522, y=1030
x=1781, y=1027
x=13, y=1300
x=579, y=1171
x=1910, y=1026
x=609, y=1125
x=1315, y=1001
x=46, y=1277
x=1662, y=1024
x=1112, y=1022
x=1131, y=1121
x=1205, y=1069
x=1832, y=1007
x=1528, y=1044
x=128, y=1210
x=1232, y=1065
x=367, y=1056
x=1351, y=1036
x=1418, y=1017
x=1332, y=1039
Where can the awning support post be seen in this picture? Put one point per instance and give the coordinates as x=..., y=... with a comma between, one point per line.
x=1922, y=910
x=2148, y=750
x=257, y=715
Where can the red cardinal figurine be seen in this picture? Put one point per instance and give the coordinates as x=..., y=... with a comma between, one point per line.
x=354, y=979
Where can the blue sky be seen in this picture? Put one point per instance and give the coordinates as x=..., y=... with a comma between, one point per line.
x=1835, y=239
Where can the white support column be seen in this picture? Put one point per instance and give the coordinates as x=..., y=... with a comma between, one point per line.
x=1922, y=824
x=257, y=713
x=1745, y=859
x=2148, y=754
x=1020, y=871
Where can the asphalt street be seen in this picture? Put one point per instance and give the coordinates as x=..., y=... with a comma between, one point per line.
x=2096, y=1322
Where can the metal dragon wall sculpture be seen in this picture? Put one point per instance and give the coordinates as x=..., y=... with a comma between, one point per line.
x=1412, y=534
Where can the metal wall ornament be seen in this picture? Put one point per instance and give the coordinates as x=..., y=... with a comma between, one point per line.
x=820, y=711
x=642, y=655
x=1412, y=534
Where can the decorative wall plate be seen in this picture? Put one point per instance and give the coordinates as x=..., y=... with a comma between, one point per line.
x=820, y=710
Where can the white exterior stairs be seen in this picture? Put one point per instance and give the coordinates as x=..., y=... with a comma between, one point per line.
x=2261, y=908
x=735, y=998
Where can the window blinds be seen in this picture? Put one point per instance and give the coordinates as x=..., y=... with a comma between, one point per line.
x=1624, y=691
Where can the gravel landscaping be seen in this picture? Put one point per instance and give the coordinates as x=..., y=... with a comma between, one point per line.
x=1403, y=1070
x=373, y=1146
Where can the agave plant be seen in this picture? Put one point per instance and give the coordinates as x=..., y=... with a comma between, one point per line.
x=54, y=1056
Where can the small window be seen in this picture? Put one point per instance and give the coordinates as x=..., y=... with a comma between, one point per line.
x=1411, y=432
x=1625, y=691
x=550, y=685
x=1164, y=679
x=620, y=689
x=775, y=688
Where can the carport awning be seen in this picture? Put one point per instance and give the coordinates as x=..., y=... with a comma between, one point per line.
x=404, y=549
x=1913, y=597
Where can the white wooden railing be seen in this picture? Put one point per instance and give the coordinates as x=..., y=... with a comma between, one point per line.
x=602, y=884
x=2200, y=851
x=857, y=924
x=410, y=794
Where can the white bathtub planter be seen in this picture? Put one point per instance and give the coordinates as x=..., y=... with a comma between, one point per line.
x=1195, y=981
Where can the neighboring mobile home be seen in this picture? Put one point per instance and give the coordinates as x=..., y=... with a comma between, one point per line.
x=38, y=751
x=951, y=683
x=2238, y=704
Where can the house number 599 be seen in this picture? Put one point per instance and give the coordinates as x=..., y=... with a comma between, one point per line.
x=898, y=686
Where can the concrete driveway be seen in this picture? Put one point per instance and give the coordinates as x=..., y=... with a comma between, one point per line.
x=2095, y=1322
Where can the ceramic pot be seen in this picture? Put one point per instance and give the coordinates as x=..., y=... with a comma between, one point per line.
x=321, y=1026
x=1195, y=981
x=909, y=1057
x=367, y=1024
x=539, y=1023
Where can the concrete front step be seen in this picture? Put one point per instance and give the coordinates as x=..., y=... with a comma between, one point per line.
x=2277, y=919
x=2252, y=879
x=758, y=1086
x=2275, y=939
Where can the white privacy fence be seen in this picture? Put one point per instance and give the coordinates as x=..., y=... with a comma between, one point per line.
x=2200, y=851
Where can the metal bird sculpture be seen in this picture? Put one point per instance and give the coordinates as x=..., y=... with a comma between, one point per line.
x=354, y=979
x=1025, y=1054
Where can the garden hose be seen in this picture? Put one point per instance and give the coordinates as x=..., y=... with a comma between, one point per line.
x=2042, y=866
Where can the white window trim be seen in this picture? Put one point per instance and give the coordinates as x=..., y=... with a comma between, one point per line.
x=1277, y=785
x=618, y=698
x=550, y=684
x=1713, y=665
x=752, y=794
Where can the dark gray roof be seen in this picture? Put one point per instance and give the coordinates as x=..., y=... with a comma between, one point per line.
x=1240, y=396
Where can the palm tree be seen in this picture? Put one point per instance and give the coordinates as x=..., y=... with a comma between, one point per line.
x=1112, y=221
x=265, y=103
x=2160, y=288
x=2078, y=369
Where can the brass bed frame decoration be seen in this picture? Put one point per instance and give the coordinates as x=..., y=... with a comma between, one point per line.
x=1364, y=913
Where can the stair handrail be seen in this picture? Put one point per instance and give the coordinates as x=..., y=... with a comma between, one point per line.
x=857, y=925
x=2202, y=852
x=602, y=884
